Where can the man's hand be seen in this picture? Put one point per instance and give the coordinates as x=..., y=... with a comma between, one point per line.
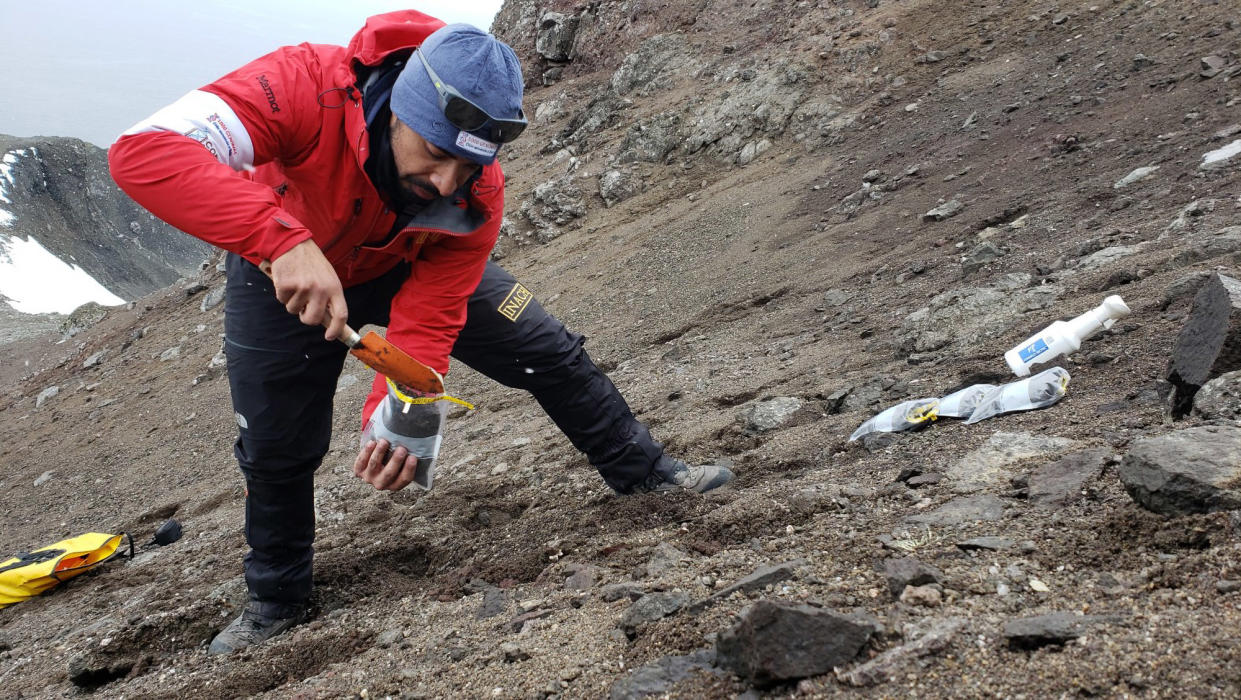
x=308, y=286
x=393, y=475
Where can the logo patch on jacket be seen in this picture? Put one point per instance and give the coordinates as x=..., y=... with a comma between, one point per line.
x=269, y=93
x=516, y=302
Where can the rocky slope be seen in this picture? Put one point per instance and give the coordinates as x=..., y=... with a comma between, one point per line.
x=58, y=190
x=773, y=220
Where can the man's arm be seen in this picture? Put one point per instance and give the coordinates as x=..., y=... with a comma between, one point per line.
x=184, y=164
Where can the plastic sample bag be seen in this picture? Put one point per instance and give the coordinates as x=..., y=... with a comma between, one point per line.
x=902, y=416
x=414, y=421
x=1040, y=391
x=961, y=404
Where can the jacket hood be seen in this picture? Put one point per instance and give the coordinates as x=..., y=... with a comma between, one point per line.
x=392, y=31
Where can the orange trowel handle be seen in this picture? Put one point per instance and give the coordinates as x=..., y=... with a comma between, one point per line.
x=382, y=356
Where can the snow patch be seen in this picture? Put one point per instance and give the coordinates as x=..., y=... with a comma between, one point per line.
x=35, y=281
x=6, y=174
x=1221, y=154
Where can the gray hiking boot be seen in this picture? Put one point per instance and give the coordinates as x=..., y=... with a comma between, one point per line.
x=252, y=628
x=670, y=473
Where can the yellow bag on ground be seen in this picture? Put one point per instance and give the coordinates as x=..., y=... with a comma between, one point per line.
x=31, y=573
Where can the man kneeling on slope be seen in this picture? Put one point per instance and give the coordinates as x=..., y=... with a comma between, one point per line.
x=367, y=176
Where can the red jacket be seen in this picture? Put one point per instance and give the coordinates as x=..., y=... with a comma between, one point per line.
x=272, y=154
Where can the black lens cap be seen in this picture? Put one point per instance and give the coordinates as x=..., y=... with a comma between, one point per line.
x=167, y=533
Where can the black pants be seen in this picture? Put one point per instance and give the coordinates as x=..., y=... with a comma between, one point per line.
x=283, y=378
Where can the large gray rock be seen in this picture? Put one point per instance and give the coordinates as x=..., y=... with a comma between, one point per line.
x=964, y=316
x=1224, y=241
x=94, y=359
x=648, y=68
x=650, y=608
x=650, y=140
x=557, y=34
x=775, y=642
x=601, y=112
x=1059, y=482
x=617, y=591
x=963, y=509
x=1106, y=256
x=1183, y=289
x=762, y=416
x=48, y=393
x=555, y=203
x=753, y=150
x=495, y=602
x=764, y=105
x=946, y=210
x=618, y=185
x=1209, y=343
x=989, y=465
x=1220, y=398
x=982, y=254
x=1196, y=470
x=212, y=299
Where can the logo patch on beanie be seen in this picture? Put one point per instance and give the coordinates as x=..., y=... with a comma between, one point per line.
x=473, y=144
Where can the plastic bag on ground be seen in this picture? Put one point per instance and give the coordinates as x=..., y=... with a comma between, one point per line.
x=962, y=404
x=1040, y=391
x=902, y=416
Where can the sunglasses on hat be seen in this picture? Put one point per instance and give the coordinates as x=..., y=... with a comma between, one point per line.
x=467, y=116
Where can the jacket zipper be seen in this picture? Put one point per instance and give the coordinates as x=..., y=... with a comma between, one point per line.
x=344, y=231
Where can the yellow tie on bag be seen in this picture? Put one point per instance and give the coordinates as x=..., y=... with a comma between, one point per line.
x=31, y=573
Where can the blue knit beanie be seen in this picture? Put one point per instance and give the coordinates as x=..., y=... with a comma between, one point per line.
x=482, y=68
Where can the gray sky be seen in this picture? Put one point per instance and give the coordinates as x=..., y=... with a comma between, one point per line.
x=91, y=69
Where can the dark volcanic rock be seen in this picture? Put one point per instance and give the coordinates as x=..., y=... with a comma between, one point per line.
x=1196, y=470
x=659, y=676
x=909, y=572
x=1042, y=630
x=775, y=642
x=616, y=591
x=495, y=602
x=1210, y=342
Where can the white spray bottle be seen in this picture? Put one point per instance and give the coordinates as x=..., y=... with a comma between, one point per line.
x=1064, y=337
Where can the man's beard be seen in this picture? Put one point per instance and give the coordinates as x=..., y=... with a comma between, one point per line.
x=391, y=186
x=405, y=198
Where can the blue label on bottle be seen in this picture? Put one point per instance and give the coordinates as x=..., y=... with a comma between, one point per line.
x=1033, y=350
